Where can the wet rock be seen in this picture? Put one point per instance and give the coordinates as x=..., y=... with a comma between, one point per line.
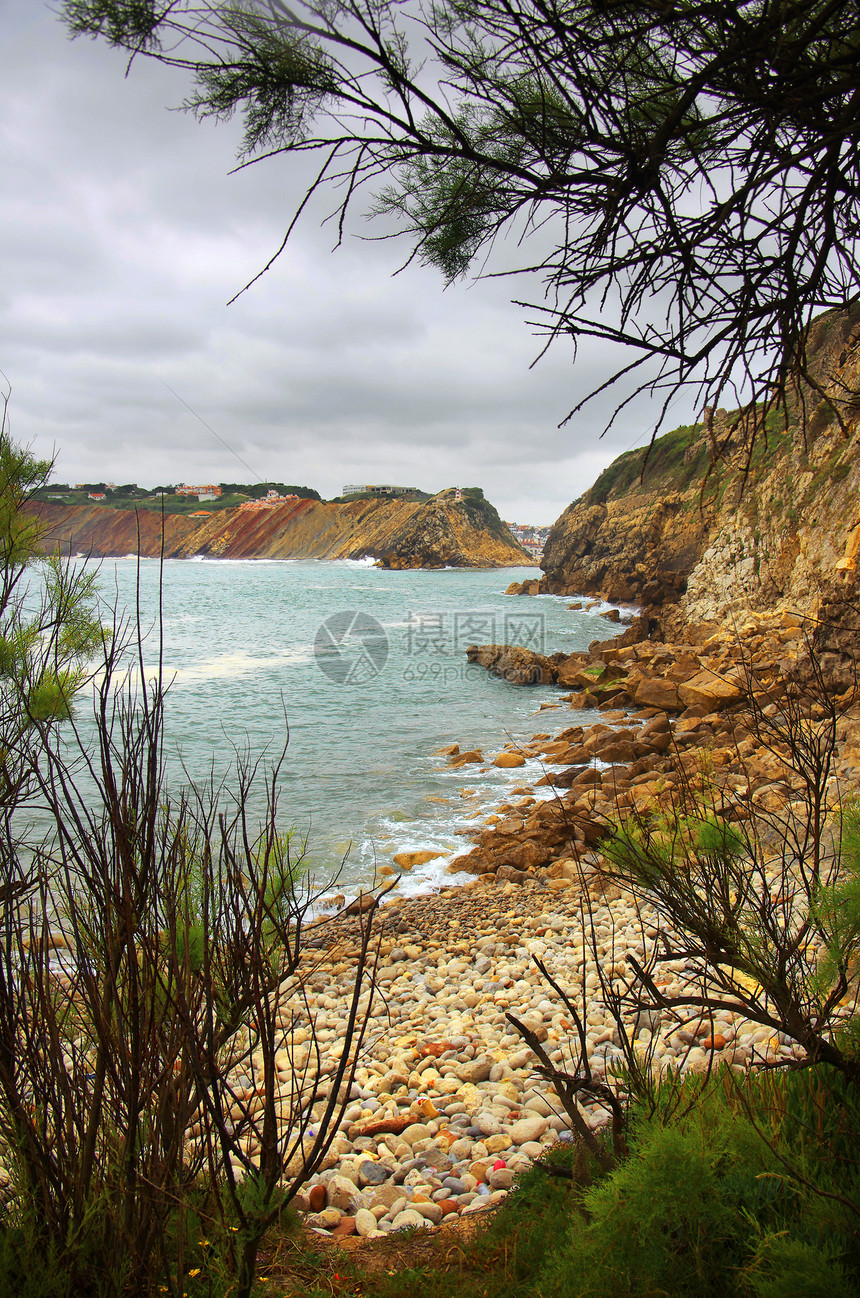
x=407, y=860
x=514, y=664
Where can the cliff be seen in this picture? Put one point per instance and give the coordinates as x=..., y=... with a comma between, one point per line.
x=437, y=533
x=737, y=515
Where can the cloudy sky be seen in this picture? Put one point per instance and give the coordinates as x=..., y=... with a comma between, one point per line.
x=123, y=237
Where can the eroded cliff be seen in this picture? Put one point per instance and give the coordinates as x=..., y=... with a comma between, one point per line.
x=770, y=522
x=437, y=533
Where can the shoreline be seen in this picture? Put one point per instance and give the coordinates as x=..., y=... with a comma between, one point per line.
x=487, y=804
x=447, y=1106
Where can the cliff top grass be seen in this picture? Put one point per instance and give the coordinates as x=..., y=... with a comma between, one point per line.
x=680, y=461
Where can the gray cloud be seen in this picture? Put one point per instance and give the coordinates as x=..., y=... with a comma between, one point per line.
x=124, y=236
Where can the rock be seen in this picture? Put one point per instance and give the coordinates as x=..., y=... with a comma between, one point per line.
x=430, y=1211
x=364, y=902
x=365, y=1222
x=317, y=1198
x=415, y=1132
x=406, y=860
x=464, y=759
x=501, y=1179
x=509, y=874
x=526, y=1129
x=342, y=1193
x=516, y=665
x=478, y=1070
x=709, y=690
x=476, y=862
x=385, y=1126
x=434, y=1049
x=460, y=1149
x=345, y=1227
x=385, y=1197
x=328, y=1219
x=488, y=1124
x=509, y=760
x=654, y=692
x=409, y=1218
x=448, y=1207
x=370, y=1173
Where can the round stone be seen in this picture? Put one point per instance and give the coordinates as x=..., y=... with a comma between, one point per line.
x=370, y=1173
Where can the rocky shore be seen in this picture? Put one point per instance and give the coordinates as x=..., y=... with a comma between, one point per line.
x=448, y=1103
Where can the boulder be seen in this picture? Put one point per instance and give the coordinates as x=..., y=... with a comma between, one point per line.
x=655, y=692
x=406, y=860
x=475, y=862
x=707, y=689
x=514, y=664
x=509, y=874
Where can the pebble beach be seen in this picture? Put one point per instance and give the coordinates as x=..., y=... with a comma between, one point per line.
x=448, y=1103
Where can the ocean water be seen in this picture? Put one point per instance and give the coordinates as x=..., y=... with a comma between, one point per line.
x=365, y=671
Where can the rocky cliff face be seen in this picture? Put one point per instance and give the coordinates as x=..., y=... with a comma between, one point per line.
x=770, y=523
x=438, y=533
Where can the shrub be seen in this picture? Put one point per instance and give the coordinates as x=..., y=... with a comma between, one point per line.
x=142, y=1107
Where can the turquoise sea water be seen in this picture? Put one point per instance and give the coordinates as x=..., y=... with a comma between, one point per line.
x=368, y=670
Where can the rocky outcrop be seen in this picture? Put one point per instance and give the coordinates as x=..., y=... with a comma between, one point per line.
x=672, y=718
x=514, y=664
x=438, y=533
x=638, y=546
x=735, y=514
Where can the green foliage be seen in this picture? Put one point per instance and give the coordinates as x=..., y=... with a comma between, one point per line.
x=836, y=910
x=790, y=1268
x=49, y=629
x=120, y=22
x=279, y=78
x=257, y=490
x=721, y=1202
x=666, y=461
x=454, y=202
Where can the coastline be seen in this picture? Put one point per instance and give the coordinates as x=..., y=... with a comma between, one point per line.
x=447, y=1105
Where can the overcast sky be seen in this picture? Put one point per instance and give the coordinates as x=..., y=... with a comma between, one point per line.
x=123, y=236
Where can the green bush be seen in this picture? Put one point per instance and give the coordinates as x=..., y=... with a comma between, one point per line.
x=729, y=1189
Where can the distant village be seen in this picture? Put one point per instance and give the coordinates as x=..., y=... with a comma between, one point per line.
x=531, y=538
x=180, y=498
